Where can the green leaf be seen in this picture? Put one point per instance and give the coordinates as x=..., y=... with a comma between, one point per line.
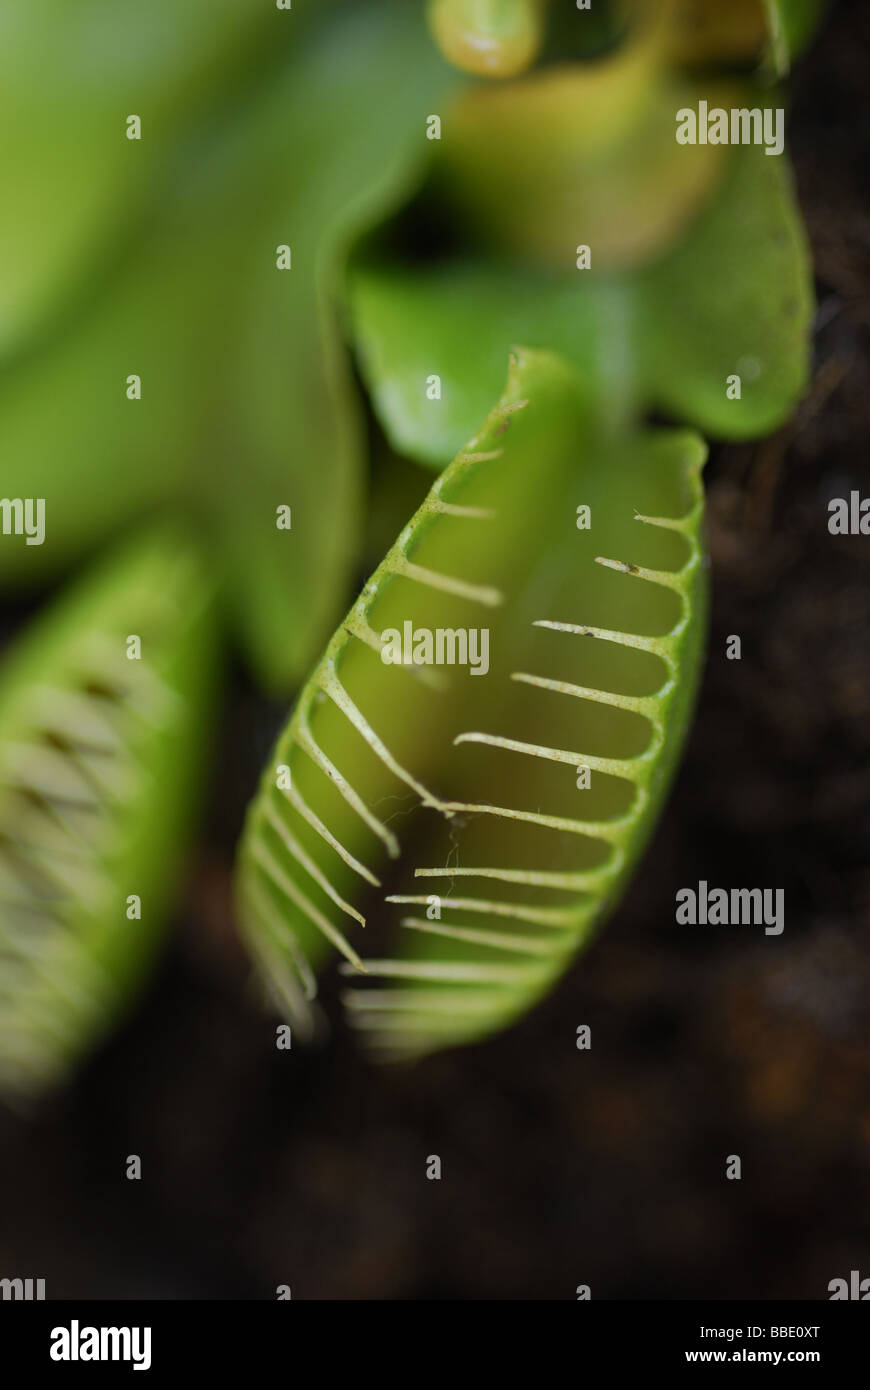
x=791, y=25
x=287, y=430
x=577, y=153
x=70, y=75
x=100, y=766
x=734, y=296
x=715, y=35
x=247, y=401
x=412, y=780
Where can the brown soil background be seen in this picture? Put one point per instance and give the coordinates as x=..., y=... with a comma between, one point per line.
x=560, y=1167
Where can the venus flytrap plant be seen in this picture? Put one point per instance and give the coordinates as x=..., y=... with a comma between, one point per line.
x=481, y=818
x=166, y=262
x=448, y=799
x=103, y=715
x=451, y=805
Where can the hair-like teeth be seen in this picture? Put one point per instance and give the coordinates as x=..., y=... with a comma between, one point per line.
x=453, y=509
x=615, y=767
x=308, y=744
x=326, y=834
x=448, y=584
x=572, y=881
x=646, y=705
x=335, y=690
x=293, y=847
x=61, y=781
x=499, y=941
x=281, y=931
x=276, y=875
x=520, y=912
x=455, y=971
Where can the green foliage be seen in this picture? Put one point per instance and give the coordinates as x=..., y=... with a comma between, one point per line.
x=69, y=77
x=733, y=296
x=791, y=24
x=246, y=398
x=100, y=767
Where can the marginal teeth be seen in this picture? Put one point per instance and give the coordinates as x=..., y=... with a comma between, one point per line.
x=60, y=784
x=471, y=513
x=498, y=941
x=541, y=916
x=326, y=834
x=48, y=772
x=638, y=704
x=669, y=579
x=307, y=742
x=442, y=1000
x=572, y=882
x=276, y=875
x=293, y=847
x=659, y=646
x=448, y=584
x=295, y=995
x=357, y=625
x=80, y=719
x=608, y=830
x=337, y=693
x=479, y=455
x=625, y=768
x=670, y=523
x=454, y=971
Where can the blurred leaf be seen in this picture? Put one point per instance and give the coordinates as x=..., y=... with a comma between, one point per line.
x=576, y=154
x=100, y=759
x=284, y=427
x=736, y=297
x=403, y=779
x=791, y=24
x=397, y=487
x=705, y=33
x=247, y=403
x=489, y=38
x=733, y=297
x=70, y=74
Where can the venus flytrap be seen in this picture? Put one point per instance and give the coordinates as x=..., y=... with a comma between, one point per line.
x=519, y=806
x=497, y=868
x=190, y=376
x=479, y=817
x=103, y=712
